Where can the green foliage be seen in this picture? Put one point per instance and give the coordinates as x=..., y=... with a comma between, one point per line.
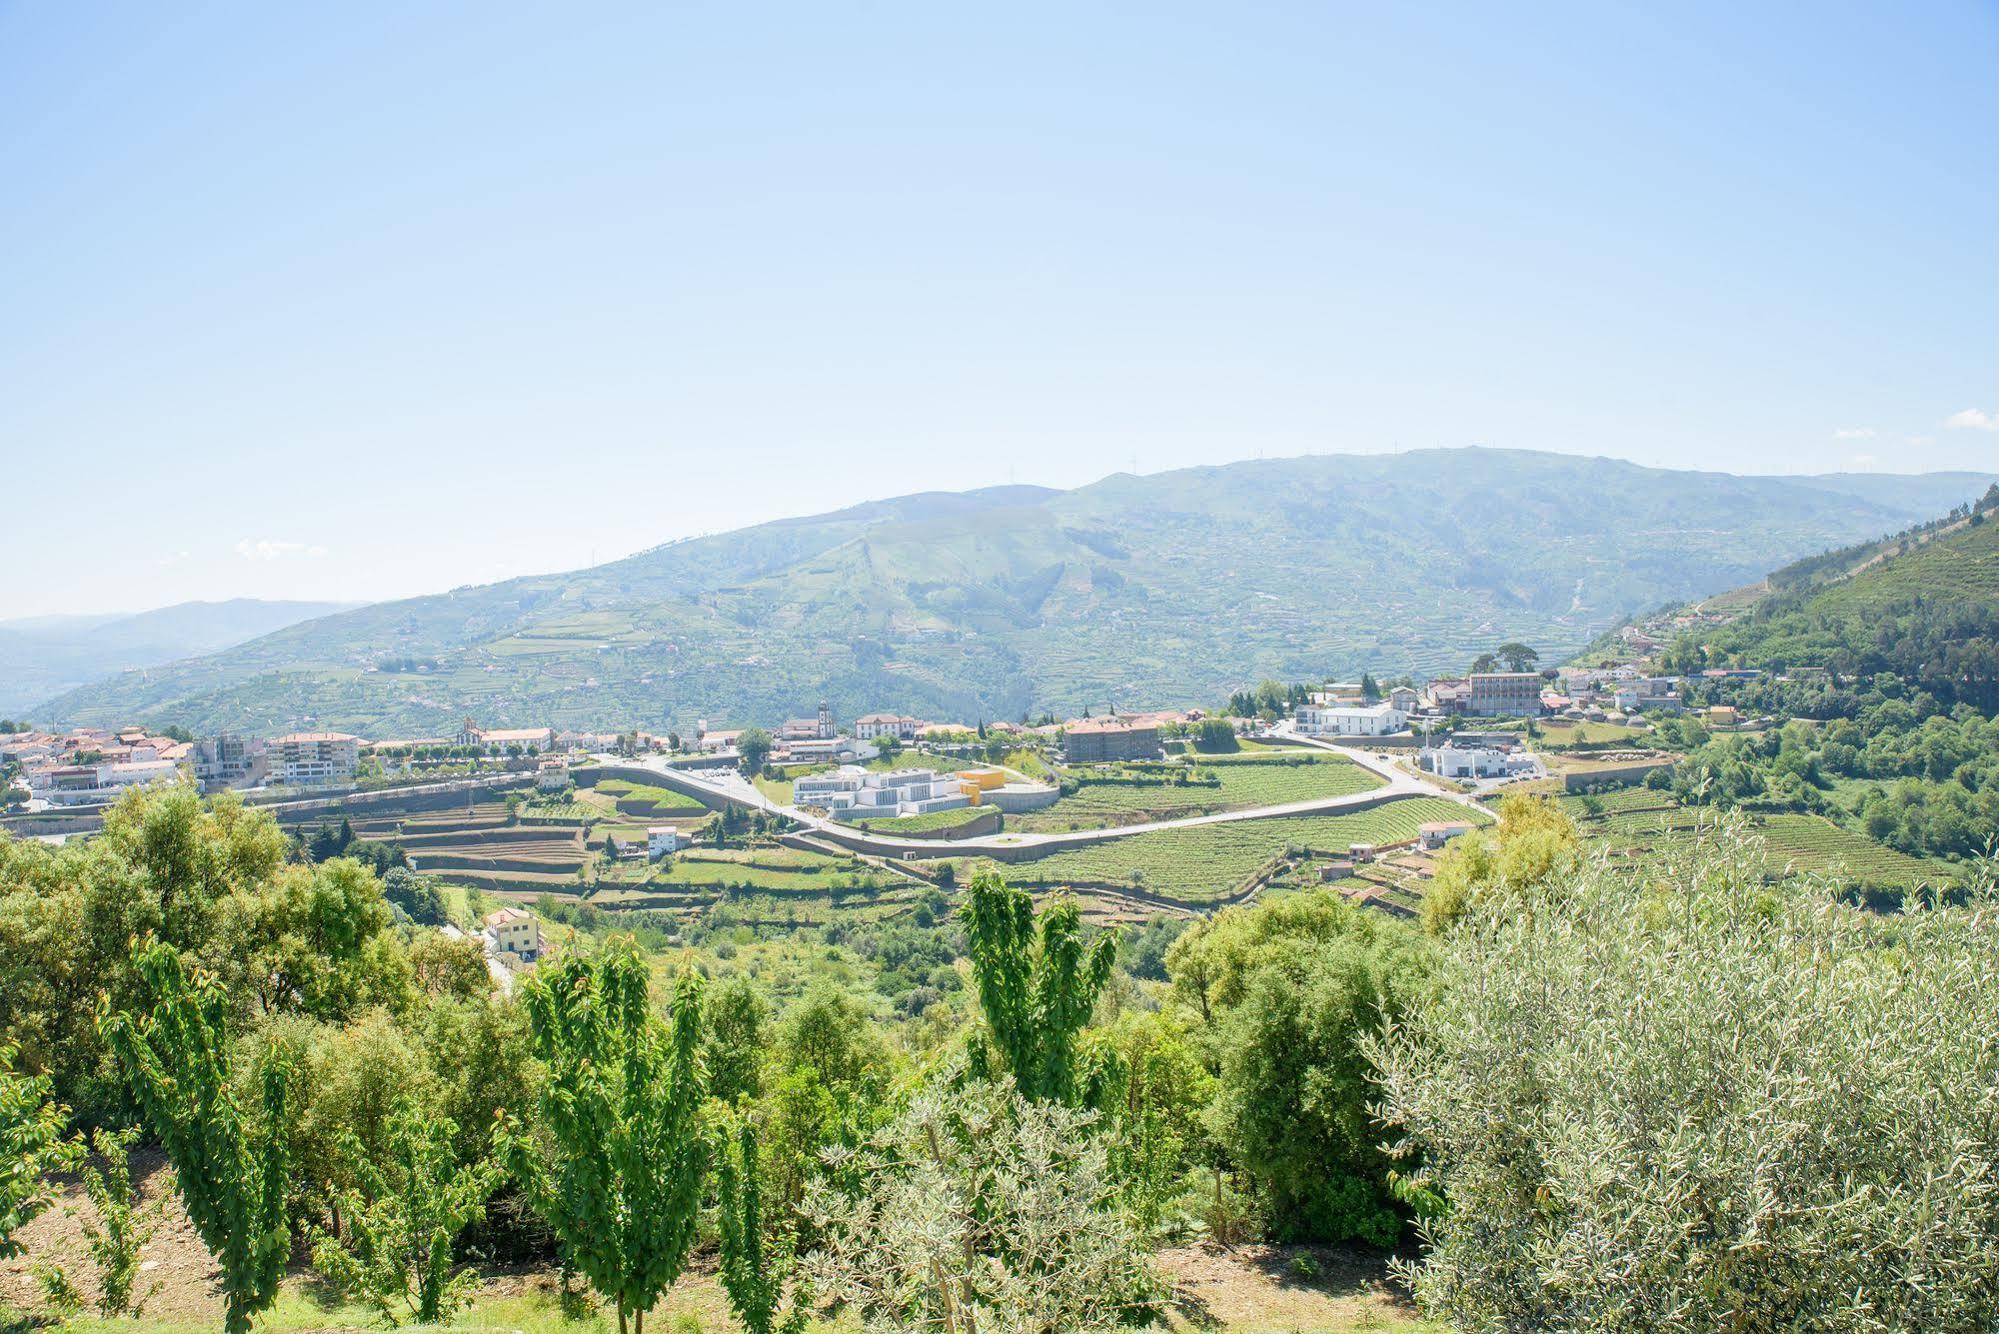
x=1288, y=991
x=756, y=1265
x=31, y=1147
x=1533, y=839
x=400, y=1224
x=619, y=1177
x=119, y=1231
x=231, y=1168
x=979, y=1209
x=1037, y=988
x=1680, y=1100
x=753, y=748
x=737, y=1032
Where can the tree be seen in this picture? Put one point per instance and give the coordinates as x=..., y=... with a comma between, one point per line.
x=403, y=1219
x=621, y=1183
x=1215, y=736
x=31, y=1147
x=117, y=1237
x=1484, y=662
x=1680, y=1099
x=1370, y=689
x=979, y=1209
x=416, y=895
x=753, y=749
x=735, y=1036
x=1287, y=989
x=231, y=1169
x=1037, y=990
x=755, y=1267
x=1517, y=656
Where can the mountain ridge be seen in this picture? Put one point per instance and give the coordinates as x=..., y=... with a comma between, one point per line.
x=1133, y=589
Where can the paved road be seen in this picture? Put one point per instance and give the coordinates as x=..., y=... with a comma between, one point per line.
x=1396, y=782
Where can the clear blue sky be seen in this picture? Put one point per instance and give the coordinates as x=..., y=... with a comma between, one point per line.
x=364, y=300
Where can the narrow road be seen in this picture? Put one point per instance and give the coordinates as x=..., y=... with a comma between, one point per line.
x=731, y=786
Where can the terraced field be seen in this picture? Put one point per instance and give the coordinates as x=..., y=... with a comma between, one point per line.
x=1638, y=821
x=1210, y=863
x=928, y=823
x=646, y=802
x=1815, y=845
x=1241, y=782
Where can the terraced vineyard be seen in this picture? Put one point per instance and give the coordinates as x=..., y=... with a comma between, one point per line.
x=1241, y=782
x=1812, y=844
x=1637, y=821
x=1209, y=863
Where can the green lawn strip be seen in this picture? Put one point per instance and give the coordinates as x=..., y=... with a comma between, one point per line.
x=1241, y=783
x=1209, y=862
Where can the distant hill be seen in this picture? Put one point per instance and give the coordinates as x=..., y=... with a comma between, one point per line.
x=42, y=656
x=1134, y=590
x=1923, y=606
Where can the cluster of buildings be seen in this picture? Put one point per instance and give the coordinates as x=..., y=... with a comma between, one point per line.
x=90, y=765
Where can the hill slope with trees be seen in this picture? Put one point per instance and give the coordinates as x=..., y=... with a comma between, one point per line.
x=1134, y=591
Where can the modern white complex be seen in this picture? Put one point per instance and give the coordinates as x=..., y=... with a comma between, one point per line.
x=1351, y=719
x=1479, y=762
x=860, y=795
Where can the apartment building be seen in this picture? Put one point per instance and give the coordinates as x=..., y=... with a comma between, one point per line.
x=312, y=759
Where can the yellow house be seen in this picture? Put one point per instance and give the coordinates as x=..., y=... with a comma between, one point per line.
x=1723, y=715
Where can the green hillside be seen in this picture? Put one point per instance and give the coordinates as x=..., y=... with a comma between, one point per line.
x=1924, y=608
x=1134, y=590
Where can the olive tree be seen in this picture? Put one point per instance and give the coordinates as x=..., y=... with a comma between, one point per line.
x=1679, y=1099
x=978, y=1209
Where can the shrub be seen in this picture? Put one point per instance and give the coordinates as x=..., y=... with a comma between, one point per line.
x=978, y=1209
x=1687, y=1102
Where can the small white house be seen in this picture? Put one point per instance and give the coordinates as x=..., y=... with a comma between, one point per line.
x=1439, y=832
x=661, y=841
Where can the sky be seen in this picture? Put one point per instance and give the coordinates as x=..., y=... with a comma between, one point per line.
x=370, y=300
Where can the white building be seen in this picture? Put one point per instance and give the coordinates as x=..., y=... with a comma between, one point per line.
x=515, y=931
x=859, y=794
x=1351, y=719
x=1439, y=832
x=312, y=759
x=84, y=784
x=661, y=841
x=871, y=725
x=1465, y=762
x=228, y=760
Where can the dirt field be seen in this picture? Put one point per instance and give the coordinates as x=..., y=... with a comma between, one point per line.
x=1252, y=1289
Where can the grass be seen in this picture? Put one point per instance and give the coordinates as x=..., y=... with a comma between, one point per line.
x=929, y=822
x=1241, y=782
x=1208, y=863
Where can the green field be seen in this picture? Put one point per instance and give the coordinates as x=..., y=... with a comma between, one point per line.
x=644, y=800
x=1240, y=782
x=1814, y=845
x=928, y=823
x=1207, y=863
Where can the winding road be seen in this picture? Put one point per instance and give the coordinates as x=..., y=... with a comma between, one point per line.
x=731, y=787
